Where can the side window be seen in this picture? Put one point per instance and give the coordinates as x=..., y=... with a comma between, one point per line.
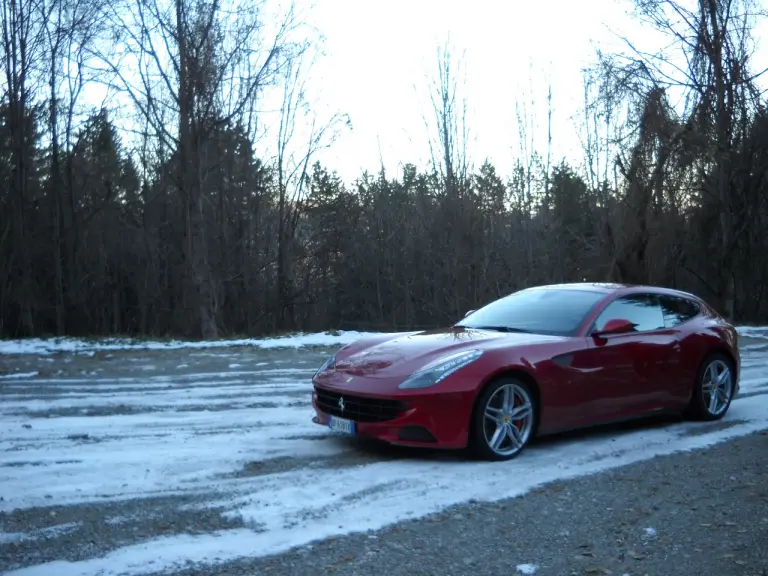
x=677, y=310
x=643, y=310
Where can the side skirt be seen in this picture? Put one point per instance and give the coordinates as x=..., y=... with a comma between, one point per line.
x=645, y=416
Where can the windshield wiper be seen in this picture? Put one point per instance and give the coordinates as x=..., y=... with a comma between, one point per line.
x=499, y=329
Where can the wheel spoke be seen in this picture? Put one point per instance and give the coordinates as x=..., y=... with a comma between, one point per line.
x=713, y=401
x=514, y=435
x=508, y=399
x=498, y=437
x=723, y=379
x=712, y=373
x=493, y=414
x=521, y=412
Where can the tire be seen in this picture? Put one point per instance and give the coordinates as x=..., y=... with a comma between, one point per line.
x=515, y=424
x=701, y=406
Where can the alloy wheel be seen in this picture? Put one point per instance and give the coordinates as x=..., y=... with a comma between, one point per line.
x=717, y=387
x=508, y=419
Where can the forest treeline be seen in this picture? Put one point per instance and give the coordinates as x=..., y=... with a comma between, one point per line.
x=181, y=228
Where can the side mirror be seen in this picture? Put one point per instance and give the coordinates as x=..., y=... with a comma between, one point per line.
x=615, y=326
x=468, y=313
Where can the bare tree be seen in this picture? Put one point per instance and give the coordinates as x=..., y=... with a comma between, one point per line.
x=70, y=28
x=199, y=64
x=23, y=52
x=709, y=65
x=448, y=131
x=527, y=164
x=295, y=154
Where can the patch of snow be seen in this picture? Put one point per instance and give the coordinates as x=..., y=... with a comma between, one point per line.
x=761, y=346
x=49, y=532
x=11, y=537
x=58, y=530
x=117, y=520
x=211, y=397
x=749, y=329
x=166, y=380
x=42, y=346
x=53, y=345
x=760, y=332
x=175, y=451
x=19, y=375
x=526, y=568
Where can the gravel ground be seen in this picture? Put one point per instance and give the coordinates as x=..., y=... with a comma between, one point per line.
x=700, y=513
x=104, y=451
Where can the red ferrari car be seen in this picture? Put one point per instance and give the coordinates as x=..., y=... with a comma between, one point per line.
x=539, y=361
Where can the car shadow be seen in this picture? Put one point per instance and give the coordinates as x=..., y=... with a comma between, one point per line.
x=607, y=431
x=379, y=450
x=384, y=451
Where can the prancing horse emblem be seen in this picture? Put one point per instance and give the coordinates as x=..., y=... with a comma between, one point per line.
x=341, y=403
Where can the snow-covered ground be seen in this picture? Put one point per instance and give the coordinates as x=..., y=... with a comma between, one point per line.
x=52, y=345
x=233, y=429
x=41, y=346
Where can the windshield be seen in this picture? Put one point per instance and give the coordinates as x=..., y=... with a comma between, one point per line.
x=536, y=310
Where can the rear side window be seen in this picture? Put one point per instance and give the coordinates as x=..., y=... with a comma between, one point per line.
x=677, y=310
x=643, y=310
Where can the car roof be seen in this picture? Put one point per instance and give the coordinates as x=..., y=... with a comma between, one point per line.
x=614, y=287
x=606, y=287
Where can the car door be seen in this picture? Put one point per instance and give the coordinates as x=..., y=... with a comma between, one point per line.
x=680, y=373
x=629, y=371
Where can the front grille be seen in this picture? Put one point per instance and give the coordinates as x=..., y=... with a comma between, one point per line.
x=358, y=408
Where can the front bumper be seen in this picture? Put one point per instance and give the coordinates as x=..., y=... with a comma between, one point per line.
x=434, y=420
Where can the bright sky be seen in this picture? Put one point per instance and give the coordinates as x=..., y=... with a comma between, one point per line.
x=380, y=53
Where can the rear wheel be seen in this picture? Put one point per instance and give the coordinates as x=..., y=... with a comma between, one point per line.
x=714, y=388
x=504, y=419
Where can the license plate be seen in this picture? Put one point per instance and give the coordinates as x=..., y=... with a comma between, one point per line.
x=341, y=425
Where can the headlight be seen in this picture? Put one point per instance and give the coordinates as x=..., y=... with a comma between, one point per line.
x=439, y=370
x=329, y=364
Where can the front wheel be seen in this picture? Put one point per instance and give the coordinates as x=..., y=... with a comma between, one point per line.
x=504, y=420
x=714, y=388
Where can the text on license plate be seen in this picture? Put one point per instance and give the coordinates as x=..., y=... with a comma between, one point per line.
x=341, y=425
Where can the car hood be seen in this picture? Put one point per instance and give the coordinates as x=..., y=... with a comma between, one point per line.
x=405, y=354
